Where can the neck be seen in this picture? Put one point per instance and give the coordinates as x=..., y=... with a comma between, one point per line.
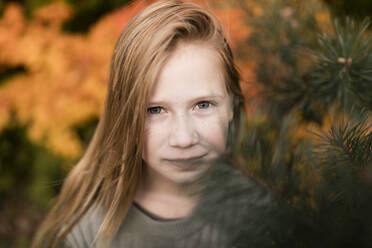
x=163, y=197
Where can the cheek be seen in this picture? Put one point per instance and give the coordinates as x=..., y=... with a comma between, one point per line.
x=153, y=141
x=213, y=133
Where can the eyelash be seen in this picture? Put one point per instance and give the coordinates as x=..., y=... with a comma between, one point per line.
x=158, y=109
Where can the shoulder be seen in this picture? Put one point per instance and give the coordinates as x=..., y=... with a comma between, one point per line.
x=83, y=234
x=84, y=231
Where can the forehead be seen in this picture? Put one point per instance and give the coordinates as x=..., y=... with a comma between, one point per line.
x=192, y=69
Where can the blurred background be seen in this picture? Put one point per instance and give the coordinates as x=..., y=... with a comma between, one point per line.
x=54, y=62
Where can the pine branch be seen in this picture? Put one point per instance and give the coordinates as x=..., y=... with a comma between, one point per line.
x=347, y=142
x=298, y=72
x=342, y=71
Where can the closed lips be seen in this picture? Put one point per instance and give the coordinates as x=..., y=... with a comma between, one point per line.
x=185, y=159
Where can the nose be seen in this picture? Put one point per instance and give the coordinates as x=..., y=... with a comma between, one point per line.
x=182, y=132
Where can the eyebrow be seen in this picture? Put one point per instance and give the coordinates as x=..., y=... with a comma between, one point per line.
x=196, y=99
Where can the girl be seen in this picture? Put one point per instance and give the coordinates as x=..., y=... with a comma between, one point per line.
x=173, y=94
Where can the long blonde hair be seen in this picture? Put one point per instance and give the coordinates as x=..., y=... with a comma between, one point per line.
x=109, y=173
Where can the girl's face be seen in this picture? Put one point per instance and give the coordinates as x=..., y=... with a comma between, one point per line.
x=188, y=115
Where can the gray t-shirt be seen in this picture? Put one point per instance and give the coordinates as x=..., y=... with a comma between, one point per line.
x=141, y=230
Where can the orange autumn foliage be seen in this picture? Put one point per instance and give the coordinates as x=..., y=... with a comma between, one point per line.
x=66, y=74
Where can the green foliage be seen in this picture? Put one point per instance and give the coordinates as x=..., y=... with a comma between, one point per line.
x=13, y=159
x=342, y=72
x=282, y=39
x=30, y=176
x=302, y=72
x=27, y=169
x=343, y=199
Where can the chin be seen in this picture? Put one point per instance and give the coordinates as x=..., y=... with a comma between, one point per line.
x=187, y=173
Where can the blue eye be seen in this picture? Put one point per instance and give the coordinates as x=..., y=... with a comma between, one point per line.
x=203, y=105
x=154, y=110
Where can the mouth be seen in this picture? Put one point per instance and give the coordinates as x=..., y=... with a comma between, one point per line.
x=187, y=163
x=185, y=160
